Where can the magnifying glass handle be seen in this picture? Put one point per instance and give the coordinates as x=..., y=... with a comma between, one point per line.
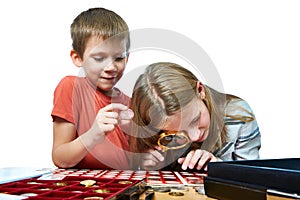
x=164, y=149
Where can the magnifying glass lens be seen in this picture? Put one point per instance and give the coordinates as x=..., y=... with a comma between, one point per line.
x=173, y=140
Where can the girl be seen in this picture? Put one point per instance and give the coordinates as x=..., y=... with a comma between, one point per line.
x=169, y=100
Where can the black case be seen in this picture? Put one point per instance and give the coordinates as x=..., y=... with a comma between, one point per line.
x=226, y=189
x=234, y=178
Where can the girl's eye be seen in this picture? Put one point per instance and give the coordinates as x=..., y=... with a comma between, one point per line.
x=98, y=59
x=194, y=122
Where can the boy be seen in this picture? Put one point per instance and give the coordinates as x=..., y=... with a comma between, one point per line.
x=88, y=111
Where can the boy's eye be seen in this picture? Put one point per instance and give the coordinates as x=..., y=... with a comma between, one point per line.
x=120, y=58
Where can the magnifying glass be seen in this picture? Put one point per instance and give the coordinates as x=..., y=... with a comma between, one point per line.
x=173, y=140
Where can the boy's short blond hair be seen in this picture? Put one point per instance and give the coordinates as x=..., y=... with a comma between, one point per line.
x=97, y=22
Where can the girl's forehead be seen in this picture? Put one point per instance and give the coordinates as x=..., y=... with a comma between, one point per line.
x=183, y=118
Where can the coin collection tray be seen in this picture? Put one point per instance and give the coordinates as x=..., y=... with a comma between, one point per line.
x=70, y=187
x=149, y=177
x=95, y=184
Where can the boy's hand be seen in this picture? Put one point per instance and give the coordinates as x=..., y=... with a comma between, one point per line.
x=106, y=120
x=125, y=117
x=111, y=115
x=197, y=158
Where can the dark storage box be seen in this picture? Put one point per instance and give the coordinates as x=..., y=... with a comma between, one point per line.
x=253, y=176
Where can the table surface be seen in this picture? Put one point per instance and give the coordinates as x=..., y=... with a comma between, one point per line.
x=192, y=194
x=9, y=174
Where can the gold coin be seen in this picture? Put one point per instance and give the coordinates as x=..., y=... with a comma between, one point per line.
x=93, y=198
x=125, y=182
x=176, y=193
x=60, y=184
x=88, y=183
x=45, y=189
x=102, y=191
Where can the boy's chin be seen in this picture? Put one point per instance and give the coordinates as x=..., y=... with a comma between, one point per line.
x=109, y=91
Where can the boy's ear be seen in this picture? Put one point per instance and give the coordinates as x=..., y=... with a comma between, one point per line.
x=127, y=56
x=76, y=59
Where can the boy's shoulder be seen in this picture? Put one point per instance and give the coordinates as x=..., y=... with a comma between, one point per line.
x=69, y=78
x=69, y=81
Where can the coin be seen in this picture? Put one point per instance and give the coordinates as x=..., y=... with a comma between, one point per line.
x=161, y=189
x=176, y=194
x=60, y=184
x=45, y=189
x=182, y=188
x=77, y=191
x=32, y=182
x=29, y=194
x=125, y=182
x=102, y=191
x=88, y=183
x=93, y=198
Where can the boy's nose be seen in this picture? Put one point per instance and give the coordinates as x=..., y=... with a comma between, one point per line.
x=110, y=66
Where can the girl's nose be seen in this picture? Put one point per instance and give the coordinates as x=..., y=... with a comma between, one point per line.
x=194, y=135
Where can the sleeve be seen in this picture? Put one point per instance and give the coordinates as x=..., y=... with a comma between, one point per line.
x=62, y=101
x=243, y=139
x=248, y=140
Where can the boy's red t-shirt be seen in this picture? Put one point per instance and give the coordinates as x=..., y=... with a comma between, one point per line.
x=76, y=101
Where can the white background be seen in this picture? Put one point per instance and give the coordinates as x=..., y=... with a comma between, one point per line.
x=254, y=45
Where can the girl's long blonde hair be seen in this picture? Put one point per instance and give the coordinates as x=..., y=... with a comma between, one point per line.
x=164, y=89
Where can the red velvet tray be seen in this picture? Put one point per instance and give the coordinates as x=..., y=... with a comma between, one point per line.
x=68, y=188
x=109, y=184
x=149, y=177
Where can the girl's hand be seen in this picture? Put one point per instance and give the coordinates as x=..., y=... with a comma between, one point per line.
x=197, y=158
x=153, y=159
